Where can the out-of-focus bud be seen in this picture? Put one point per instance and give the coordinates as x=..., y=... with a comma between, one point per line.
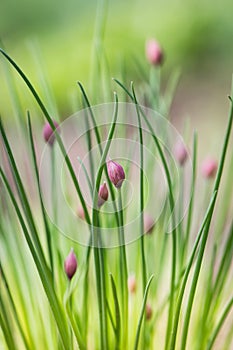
x=102, y=194
x=132, y=284
x=154, y=52
x=48, y=133
x=148, y=223
x=209, y=168
x=181, y=153
x=149, y=311
x=80, y=212
x=116, y=173
x=70, y=264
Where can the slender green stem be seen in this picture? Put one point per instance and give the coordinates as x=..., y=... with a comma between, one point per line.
x=205, y=235
x=42, y=270
x=6, y=327
x=171, y=203
x=46, y=225
x=50, y=121
x=141, y=201
x=187, y=271
x=98, y=139
x=192, y=192
x=95, y=232
x=141, y=204
x=23, y=198
x=123, y=269
x=16, y=317
x=117, y=314
x=142, y=313
x=219, y=324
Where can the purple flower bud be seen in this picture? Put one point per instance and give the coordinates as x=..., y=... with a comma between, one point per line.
x=132, y=284
x=209, y=168
x=154, y=52
x=149, y=311
x=116, y=173
x=48, y=133
x=102, y=195
x=181, y=153
x=70, y=264
x=148, y=223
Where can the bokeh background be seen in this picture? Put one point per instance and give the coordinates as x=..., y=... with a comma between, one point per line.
x=197, y=37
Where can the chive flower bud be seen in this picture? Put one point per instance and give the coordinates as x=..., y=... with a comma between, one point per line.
x=149, y=311
x=80, y=212
x=154, y=52
x=116, y=173
x=209, y=168
x=148, y=223
x=48, y=132
x=132, y=284
x=181, y=153
x=70, y=264
x=102, y=194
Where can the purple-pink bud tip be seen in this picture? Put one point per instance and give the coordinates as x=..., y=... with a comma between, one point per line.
x=209, y=168
x=70, y=264
x=102, y=194
x=132, y=284
x=181, y=153
x=48, y=132
x=154, y=52
x=116, y=173
x=148, y=223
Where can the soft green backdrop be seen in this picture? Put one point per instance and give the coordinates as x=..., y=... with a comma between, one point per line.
x=197, y=37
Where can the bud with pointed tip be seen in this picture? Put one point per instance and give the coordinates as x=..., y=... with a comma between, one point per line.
x=116, y=173
x=102, y=194
x=70, y=264
x=209, y=168
x=80, y=213
x=48, y=132
x=154, y=52
x=148, y=223
x=181, y=153
x=149, y=311
x=132, y=284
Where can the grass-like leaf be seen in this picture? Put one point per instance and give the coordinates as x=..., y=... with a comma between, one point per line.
x=142, y=313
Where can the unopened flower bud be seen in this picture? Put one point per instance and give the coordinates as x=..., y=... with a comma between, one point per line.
x=148, y=223
x=154, y=52
x=48, y=132
x=181, y=153
x=70, y=264
x=209, y=168
x=132, y=284
x=149, y=311
x=80, y=213
x=116, y=173
x=102, y=195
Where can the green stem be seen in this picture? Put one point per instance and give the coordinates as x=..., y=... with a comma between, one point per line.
x=95, y=231
x=123, y=269
x=186, y=275
x=205, y=235
x=142, y=313
x=42, y=270
x=190, y=209
x=219, y=324
x=143, y=259
x=46, y=225
x=171, y=203
x=50, y=121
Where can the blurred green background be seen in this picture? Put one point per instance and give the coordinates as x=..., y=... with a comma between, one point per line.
x=197, y=37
